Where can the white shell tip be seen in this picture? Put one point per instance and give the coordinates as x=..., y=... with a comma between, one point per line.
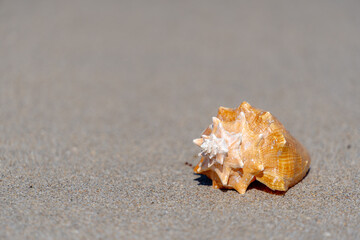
x=198, y=141
x=215, y=119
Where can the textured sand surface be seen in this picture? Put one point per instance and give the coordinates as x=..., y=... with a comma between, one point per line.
x=100, y=101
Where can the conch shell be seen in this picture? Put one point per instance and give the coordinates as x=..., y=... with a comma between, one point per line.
x=247, y=144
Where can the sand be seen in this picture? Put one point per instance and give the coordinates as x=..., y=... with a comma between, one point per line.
x=100, y=101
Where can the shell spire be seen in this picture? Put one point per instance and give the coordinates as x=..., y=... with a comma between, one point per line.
x=247, y=144
x=213, y=145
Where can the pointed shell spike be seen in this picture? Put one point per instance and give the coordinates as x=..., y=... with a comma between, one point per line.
x=198, y=141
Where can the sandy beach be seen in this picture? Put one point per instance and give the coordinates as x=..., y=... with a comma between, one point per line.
x=100, y=101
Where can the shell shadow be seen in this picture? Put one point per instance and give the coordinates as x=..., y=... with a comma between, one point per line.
x=262, y=187
x=259, y=186
x=203, y=180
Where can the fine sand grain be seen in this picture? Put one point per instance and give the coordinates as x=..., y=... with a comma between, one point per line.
x=100, y=101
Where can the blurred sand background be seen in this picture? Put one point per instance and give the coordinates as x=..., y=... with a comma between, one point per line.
x=100, y=101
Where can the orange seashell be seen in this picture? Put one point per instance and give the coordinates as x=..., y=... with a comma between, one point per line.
x=247, y=144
